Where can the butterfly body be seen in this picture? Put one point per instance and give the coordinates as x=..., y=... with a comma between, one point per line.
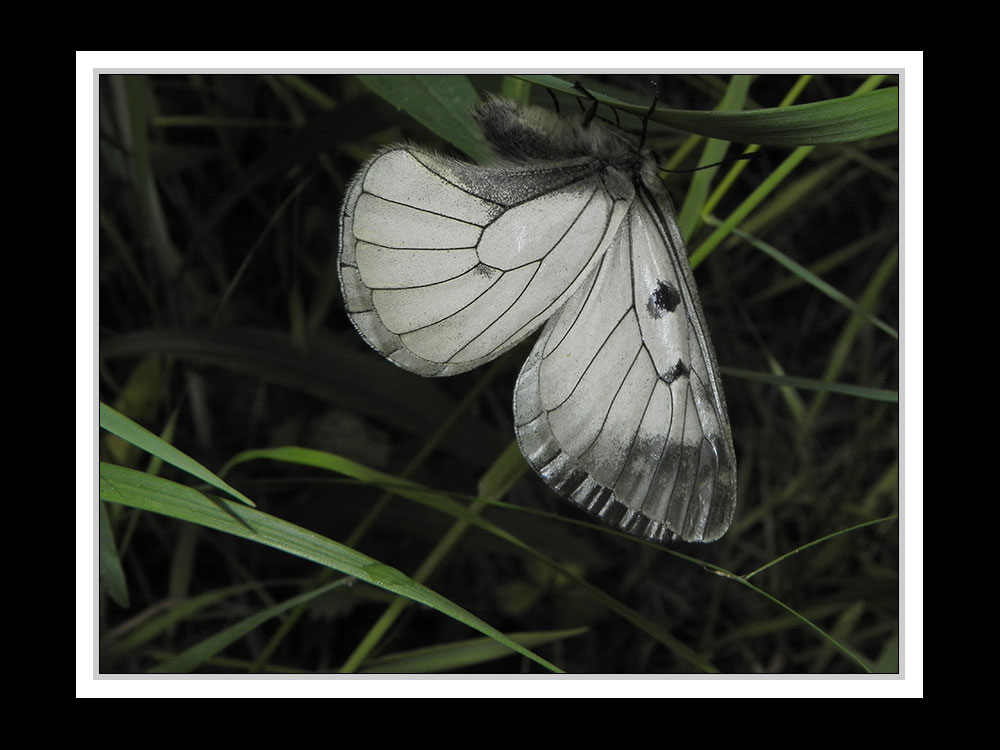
x=445, y=265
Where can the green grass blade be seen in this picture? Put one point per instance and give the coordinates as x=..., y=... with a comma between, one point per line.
x=109, y=564
x=441, y=103
x=122, y=641
x=888, y=660
x=814, y=542
x=749, y=204
x=713, y=152
x=843, y=120
x=497, y=481
x=445, y=504
x=827, y=637
x=118, y=424
x=503, y=474
x=460, y=654
x=843, y=349
x=811, y=278
x=138, y=490
x=191, y=658
x=348, y=121
x=851, y=118
x=331, y=371
x=812, y=384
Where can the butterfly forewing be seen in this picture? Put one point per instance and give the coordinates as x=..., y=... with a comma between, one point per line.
x=617, y=405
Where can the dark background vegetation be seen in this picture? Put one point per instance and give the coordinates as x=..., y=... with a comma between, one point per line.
x=221, y=325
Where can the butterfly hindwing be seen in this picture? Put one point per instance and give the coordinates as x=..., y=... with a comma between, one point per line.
x=444, y=266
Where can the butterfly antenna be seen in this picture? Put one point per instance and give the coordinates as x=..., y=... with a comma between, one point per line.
x=555, y=101
x=645, y=121
x=593, y=103
x=730, y=160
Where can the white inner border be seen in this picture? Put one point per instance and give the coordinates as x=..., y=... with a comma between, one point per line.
x=910, y=67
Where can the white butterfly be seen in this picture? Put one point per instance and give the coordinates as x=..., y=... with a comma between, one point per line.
x=445, y=265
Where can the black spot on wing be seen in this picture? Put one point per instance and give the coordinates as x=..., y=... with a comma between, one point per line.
x=664, y=299
x=679, y=370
